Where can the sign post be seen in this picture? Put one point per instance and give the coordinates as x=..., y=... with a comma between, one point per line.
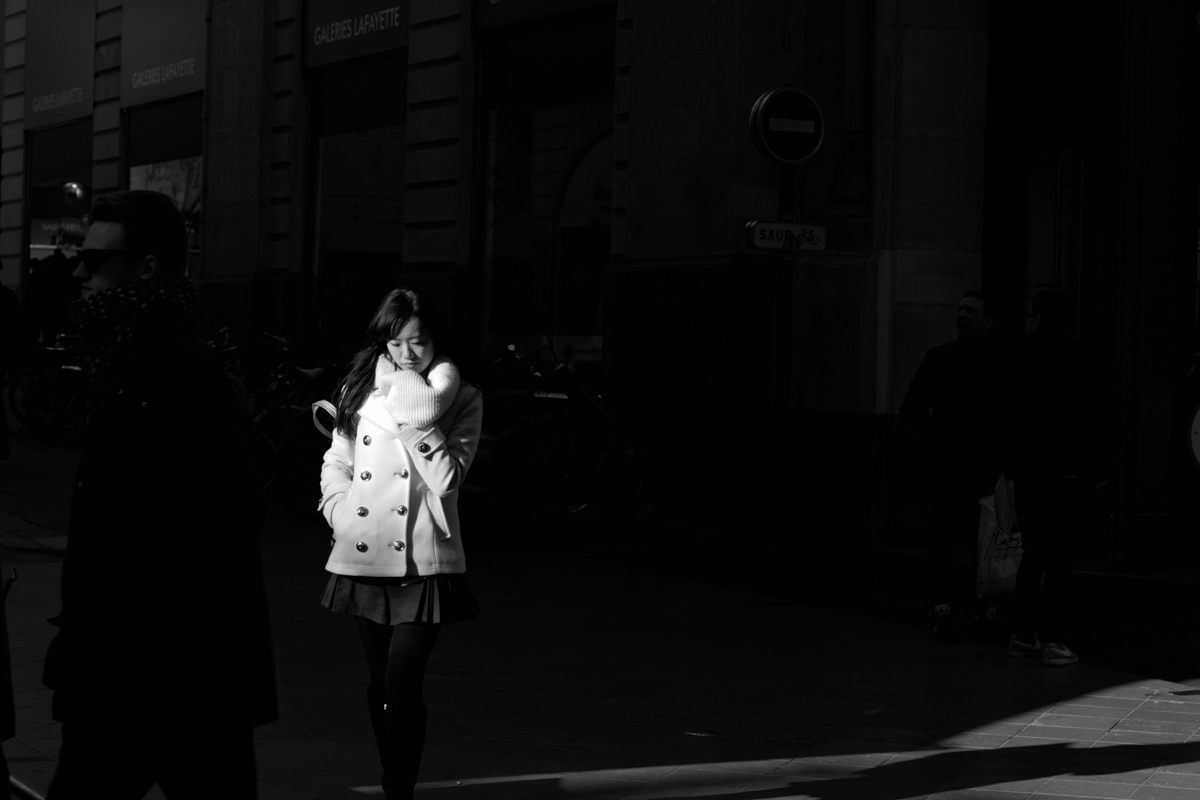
x=786, y=126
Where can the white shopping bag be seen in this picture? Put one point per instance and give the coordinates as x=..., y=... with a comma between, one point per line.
x=999, y=551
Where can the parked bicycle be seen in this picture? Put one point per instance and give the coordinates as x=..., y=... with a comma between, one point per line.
x=277, y=395
x=550, y=443
x=284, y=418
x=47, y=394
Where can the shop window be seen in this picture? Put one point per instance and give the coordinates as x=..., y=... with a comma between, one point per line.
x=163, y=151
x=358, y=125
x=547, y=180
x=60, y=179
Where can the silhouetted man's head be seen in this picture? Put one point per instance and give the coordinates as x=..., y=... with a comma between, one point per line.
x=134, y=235
x=974, y=317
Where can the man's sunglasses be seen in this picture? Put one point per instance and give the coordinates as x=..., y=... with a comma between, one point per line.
x=93, y=259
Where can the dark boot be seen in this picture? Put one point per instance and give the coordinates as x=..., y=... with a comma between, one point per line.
x=376, y=707
x=404, y=745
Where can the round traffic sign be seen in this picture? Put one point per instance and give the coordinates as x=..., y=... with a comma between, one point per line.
x=786, y=125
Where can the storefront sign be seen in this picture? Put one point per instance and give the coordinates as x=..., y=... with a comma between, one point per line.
x=337, y=30
x=784, y=236
x=162, y=49
x=60, y=51
x=497, y=13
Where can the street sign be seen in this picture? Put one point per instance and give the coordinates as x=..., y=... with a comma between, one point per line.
x=784, y=236
x=786, y=125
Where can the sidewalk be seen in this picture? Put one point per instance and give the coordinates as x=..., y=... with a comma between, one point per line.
x=595, y=672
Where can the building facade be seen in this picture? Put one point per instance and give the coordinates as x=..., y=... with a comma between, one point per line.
x=583, y=169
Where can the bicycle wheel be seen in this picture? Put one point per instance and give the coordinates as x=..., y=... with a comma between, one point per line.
x=297, y=484
x=15, y=395
x=20, y=401
x=63, y=397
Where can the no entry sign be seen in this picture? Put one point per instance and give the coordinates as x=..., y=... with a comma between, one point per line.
x=786, y=125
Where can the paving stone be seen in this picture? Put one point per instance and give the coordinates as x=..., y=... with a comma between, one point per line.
x=1071, y=721
x=1165, y=777
x=1165, y=793
x=1066, y=787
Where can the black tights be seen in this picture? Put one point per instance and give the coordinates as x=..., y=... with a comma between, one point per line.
x=396, y=656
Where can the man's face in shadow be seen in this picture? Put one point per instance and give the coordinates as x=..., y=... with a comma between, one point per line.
x=105, y=263
x=973, y=324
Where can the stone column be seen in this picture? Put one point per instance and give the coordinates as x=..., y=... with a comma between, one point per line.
x=930, y=92
x=234, y=247
x=1154, y=192
x=12, y=145
x=440, y=159
x=106, y=99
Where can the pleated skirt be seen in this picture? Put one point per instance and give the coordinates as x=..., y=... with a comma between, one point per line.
x=393, y=601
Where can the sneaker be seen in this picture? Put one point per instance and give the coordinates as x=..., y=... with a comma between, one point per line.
x=1058, y=654
x=1018, y=647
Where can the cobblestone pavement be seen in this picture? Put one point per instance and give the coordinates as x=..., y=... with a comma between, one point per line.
x=591, y=676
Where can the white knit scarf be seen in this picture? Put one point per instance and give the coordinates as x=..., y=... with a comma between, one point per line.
x=409, y=397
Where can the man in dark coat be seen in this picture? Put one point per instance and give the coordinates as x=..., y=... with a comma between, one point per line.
x=164, y=640
x=954, y=405
x=1053, y=454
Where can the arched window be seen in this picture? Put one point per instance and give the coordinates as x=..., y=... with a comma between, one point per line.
x=584, y=243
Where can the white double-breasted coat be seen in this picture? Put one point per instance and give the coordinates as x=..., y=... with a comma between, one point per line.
x=391, y=494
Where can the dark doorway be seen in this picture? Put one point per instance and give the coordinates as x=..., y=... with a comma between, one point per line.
x=547, y=181
x=1055, y=109
x=358, y=125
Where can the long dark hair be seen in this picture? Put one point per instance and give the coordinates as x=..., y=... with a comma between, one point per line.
x=400, y=306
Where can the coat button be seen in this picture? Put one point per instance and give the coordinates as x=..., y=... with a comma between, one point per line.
x=403, y=473
x=361, y=547
x=332, y=541
x=366, y=440
x=397, y=545
x=365, y=475
x=362, y=512
x=423, y=447
x=401, y=510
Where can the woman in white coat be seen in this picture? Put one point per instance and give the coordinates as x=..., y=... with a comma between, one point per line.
x=407, y=429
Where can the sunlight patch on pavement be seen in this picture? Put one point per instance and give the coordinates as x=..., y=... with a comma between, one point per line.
x=1060, y=724
x=593, y=781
